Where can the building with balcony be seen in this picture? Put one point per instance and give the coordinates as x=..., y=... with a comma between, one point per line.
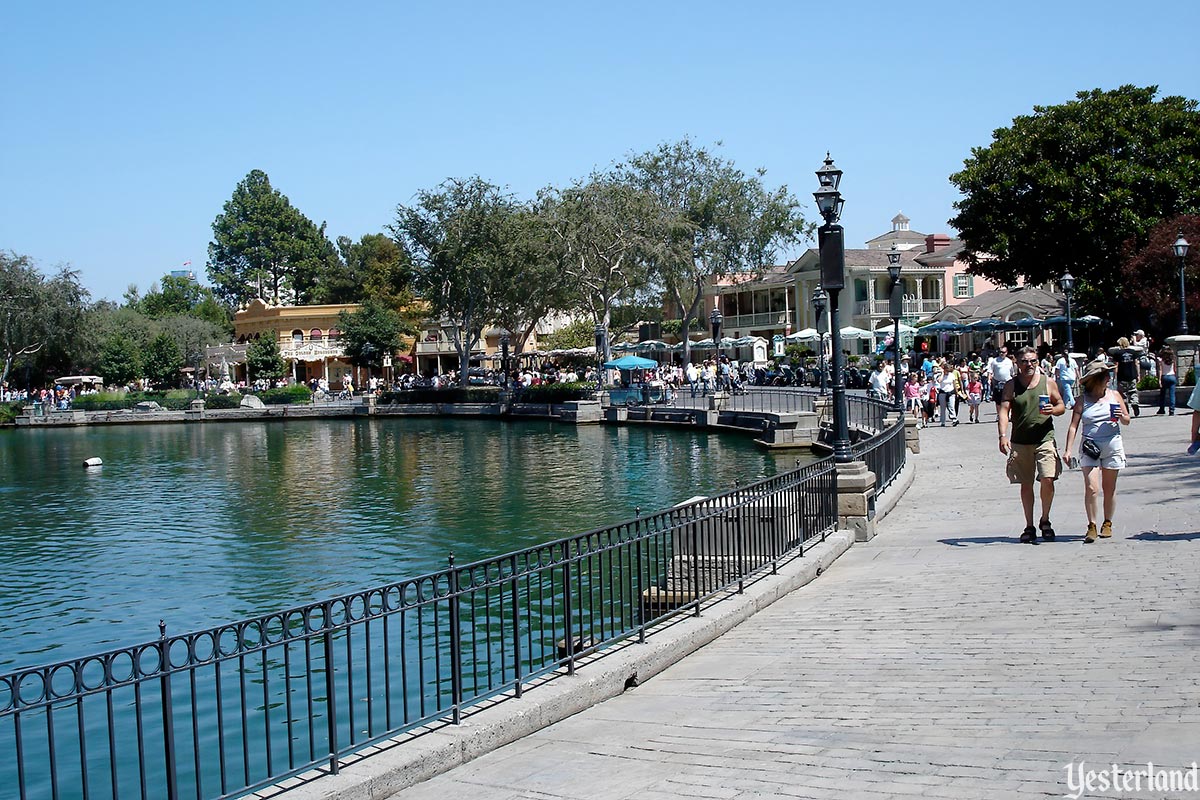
x=308, y=336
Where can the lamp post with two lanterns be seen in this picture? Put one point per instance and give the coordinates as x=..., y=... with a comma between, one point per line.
x=831, y=242
x=1067, y=282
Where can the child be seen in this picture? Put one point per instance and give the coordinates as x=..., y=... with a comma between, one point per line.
x=929, y=393
x=974, y=396
x=912, y=395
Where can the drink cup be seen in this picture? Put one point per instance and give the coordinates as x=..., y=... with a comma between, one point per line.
x=1115, y=410
x=1043, y=401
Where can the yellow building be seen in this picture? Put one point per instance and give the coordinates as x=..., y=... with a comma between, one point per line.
x=308, y=336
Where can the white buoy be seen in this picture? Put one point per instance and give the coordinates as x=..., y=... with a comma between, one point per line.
x=93, y=462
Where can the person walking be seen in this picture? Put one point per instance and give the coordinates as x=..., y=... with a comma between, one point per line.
x=974, y=395
x=1065, y=374
x=1128, y=360
x=1167, y=380
x=1000, y=371
x=1100, y=413
x=943, y=377
x=1028, y=403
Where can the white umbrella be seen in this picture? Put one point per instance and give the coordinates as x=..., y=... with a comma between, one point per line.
x=804, y=335
x=884, y=330
x=851, y=332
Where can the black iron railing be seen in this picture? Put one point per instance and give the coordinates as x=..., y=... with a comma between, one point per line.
x=884, y=454
x=219, y=712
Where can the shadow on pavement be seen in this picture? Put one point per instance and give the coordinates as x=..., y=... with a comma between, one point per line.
x=1155, y=536
x=966, y=541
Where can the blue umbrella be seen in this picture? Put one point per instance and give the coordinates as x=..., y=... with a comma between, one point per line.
x=986, y=325
x=631, y=362
x=942, y=326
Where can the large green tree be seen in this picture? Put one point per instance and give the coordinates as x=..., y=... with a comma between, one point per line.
x=375, y=267
x=532, y=283
x=456, y=236
x=180, y=296
x=264, y=247
x=720, y=221
x=263, y=359
x=1068, y=187
x=39, y=317
x=603, y=229
x=371, y=332
x=162, y=360
x=120, y=360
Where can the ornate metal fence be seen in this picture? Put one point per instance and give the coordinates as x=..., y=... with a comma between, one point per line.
x=219, y=712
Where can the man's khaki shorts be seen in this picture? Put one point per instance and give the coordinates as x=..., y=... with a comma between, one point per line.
x=1029, y=461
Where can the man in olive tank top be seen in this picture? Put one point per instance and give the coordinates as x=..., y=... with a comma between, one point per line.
x=1028, y=405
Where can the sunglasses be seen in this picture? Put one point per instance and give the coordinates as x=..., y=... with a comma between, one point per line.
x=1027, y=362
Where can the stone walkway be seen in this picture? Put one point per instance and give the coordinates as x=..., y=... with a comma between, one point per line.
x=942, y=659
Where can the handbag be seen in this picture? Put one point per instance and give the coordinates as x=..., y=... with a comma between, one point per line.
x=1090, y=448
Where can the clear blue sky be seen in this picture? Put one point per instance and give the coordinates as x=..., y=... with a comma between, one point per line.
x=126, y=126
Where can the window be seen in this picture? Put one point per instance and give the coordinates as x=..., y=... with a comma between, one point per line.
x=964, y=286
x=314, y=335
x=297, y=338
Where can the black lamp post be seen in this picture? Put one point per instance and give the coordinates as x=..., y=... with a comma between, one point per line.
x=716, y=319
x=1181, y=250
x=1067, y=282
x=833, y=279
x=896, y=309
x=504, y=342
x=819, y=301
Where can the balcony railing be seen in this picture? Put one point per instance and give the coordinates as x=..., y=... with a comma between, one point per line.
x=912, y=307
x=770, y=319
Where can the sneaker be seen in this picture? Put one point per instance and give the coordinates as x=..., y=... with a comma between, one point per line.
x=1090, y=536
x=1029, y=536
x=1047, y=530
x=1106, y=529
x=1193, y=448
x=1137, y=411
x=1160, y=412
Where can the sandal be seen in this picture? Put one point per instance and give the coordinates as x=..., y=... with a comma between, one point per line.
x=1047, y=530
x=1029, y=536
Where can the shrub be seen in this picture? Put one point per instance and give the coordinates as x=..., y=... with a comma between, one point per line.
x=1190, y=378
x=557, y=392
x=9, y=412
x=1147, y=382
x=286, y=395
x=105, y=401
x=473, y=394
x=222, y=401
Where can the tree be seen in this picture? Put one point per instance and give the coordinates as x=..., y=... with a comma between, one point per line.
x=456, y=238
x=374, y=267
x=263, y=359
x=371, y=333
x=39, y=317
x=720, y=221
x=264, y=247
x=192, y=336
x=603, y=229
x=120, y=360
x=531, y=282
x=161, y=361
x=1151, y=273
x=1064, y=189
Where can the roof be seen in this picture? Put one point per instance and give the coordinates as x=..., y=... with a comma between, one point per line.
x=854, y=258
x=905, y=235
x=948, y=253
x=1000, y=303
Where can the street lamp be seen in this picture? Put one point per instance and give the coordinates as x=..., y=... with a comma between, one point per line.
x=896, y=309
x=819, y=301
x=833, y=279
x=1181, y=250
x=716, y=319
x=1067, y=282
x=504, y=342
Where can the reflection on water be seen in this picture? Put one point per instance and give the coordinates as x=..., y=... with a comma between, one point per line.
x=208, y=523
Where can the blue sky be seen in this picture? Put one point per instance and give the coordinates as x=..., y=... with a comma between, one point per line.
x=126, y=126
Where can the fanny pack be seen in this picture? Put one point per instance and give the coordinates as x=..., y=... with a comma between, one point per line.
x=1090, y=448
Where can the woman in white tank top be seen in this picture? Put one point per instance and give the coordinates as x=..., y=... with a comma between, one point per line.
x=1100, y=411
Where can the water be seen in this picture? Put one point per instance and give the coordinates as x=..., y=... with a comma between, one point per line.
x=204, y=524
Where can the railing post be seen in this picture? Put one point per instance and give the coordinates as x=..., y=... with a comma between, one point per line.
x=568, y=637
x=168, y=716
x=696, y=563
x=456, y=678
x=330, y=688
x=516, y=604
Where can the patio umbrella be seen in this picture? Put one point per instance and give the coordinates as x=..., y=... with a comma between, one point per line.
x=851, y=332
x=804, y=335
x=890, y=328
x=984, y=325
x=631, y=362
x=942, y=326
